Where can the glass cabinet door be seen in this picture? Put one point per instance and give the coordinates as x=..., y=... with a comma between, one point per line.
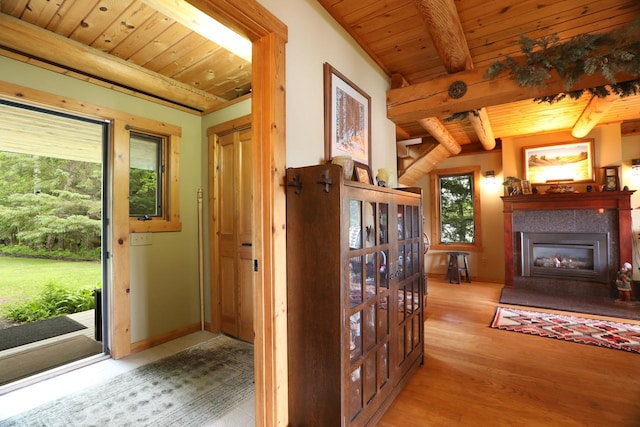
x=408, y=275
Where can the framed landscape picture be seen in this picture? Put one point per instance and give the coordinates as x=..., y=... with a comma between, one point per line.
x=347, y=118
x=560, y=162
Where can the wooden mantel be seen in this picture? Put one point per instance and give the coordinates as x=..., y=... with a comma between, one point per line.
x=618, y=200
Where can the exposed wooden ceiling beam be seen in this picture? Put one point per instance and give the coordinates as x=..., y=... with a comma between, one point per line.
x=443, y=23
x=441, y=134
x=48, y=46
x=424, y=165
x=429, y=99
x=593, y=112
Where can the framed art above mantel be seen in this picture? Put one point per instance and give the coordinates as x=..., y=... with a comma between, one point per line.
x=347, y=118
x=566, y=162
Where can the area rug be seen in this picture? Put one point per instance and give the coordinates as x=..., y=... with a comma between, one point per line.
x=16, y=336
x=192, y=388
x=47, y=356
x=602, y=333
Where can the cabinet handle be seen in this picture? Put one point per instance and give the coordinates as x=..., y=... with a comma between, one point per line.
x=246, y=244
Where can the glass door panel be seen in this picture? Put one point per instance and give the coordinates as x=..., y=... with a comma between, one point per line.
x=355, y=281
x=355, y=224
x=384, y=223
x=355, y=328
x=369, y=224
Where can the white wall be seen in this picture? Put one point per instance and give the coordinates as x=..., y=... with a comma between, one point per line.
x=315, y=38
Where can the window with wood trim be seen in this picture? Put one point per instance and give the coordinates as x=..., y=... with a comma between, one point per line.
x=153, y=177
x=455, y=222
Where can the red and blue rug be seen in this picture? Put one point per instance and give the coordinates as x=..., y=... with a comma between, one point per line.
x=602, y=333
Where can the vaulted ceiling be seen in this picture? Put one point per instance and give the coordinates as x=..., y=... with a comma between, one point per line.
x=158, y=49
x=427, y=45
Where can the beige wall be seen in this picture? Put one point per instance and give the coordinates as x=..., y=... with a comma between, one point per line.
x=315, y=38
x=164, y=275
x=488, y=263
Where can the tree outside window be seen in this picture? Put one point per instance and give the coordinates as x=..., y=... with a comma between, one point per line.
x=456, y=214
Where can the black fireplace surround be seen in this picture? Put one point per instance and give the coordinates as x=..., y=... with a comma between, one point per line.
x=582, y=256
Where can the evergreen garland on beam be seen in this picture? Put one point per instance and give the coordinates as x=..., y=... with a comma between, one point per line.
x=608, y=54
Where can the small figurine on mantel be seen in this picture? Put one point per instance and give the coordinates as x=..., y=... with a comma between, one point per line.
x=623, y=282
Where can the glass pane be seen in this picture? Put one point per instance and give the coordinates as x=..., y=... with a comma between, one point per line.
x=401, y=304
x=145, y=178
x=456, y=209
x=401, y=258
x=409, y=300
x=416, y=257
x=416, y=294
x=400, y=345
x=384, y=365
x=408, y=346
x=369, y=224
x=416, y=330
x=383, y=318
x=355, y=281
x=355, y=392
x=384, y=270
x=409, y=261
x=370, y=386
x=416, y=223
x=370, y=326
x=356, y=336
x=400, y=223
x=355, y=224
x=371, y=275
x=384, y=223
x=409, y=222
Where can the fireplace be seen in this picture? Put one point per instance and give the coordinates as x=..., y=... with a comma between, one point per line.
x=579, y=256
x=592, y=233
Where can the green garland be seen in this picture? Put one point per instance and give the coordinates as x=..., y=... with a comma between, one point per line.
x=585, y=54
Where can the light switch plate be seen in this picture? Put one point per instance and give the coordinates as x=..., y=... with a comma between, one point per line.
x=140, y=239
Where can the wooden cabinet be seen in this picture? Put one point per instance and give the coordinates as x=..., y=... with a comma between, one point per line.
x=355, y=295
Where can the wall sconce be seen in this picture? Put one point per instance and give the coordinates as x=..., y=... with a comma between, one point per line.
x=635, y=167
x=490, y=177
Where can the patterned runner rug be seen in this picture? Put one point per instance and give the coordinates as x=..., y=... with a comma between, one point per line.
x=603, y=333
x=192, y=388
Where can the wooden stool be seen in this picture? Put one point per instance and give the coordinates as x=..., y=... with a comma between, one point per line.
x=453, y=272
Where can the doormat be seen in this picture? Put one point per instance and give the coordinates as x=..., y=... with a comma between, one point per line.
x=47, y=356
x=192, y=388
x=602, y=333
x=16, y=336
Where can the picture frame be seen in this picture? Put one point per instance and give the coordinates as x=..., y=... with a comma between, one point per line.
x=526, y=187
x=362, y=173
x=347, y=118
x=568, y=162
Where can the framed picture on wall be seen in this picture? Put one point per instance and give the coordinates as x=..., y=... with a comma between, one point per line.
x=347, y=118
x=559, y=162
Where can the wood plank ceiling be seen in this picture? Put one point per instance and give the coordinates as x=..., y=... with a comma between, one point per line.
x=425, y=45
x=154, y=49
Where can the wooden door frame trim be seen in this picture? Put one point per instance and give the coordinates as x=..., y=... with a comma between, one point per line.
x=269, y=37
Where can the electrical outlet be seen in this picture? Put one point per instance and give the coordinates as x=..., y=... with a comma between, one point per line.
x=141, y=239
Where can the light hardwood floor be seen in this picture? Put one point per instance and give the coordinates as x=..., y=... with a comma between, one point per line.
x=477, y=376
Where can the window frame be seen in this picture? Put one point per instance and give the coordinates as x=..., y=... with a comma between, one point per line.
x=436, y=238
x=170, y=218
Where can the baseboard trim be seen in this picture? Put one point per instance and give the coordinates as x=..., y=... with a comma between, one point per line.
x=161, y=339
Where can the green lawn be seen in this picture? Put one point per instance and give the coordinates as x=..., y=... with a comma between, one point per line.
x=26, y=277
